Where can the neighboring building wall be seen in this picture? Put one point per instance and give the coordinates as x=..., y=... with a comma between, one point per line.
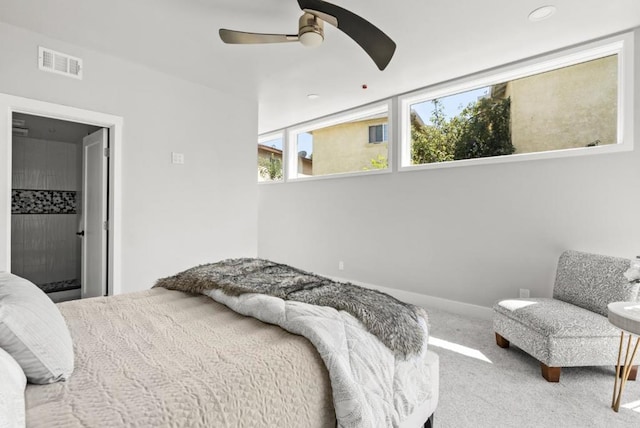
x=346, y=148
x=305, y=165
x=265, y=152
x=543, y=107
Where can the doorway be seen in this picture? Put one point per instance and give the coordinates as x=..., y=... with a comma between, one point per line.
x=59, y=206
x=111, y=127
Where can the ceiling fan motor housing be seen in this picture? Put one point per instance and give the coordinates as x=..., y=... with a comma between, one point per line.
x=310, y=30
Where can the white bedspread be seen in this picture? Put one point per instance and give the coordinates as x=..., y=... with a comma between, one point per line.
x=371, y=386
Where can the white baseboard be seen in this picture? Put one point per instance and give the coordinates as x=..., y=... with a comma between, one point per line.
x=426, y=301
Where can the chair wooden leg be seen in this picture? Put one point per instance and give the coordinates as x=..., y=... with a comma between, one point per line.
x=551, y=374
x=632, y=373
x=501, y=341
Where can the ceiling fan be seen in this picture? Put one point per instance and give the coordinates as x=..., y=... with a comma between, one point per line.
x=311, y=31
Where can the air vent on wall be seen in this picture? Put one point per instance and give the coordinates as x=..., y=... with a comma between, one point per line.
x=56, y=62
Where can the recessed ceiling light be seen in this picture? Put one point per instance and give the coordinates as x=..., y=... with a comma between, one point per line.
x=313, y=96
x=541, y=13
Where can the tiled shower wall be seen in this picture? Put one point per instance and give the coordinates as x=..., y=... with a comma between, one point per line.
x=46, y=182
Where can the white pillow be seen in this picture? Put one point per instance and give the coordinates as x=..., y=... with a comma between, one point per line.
x=12, y=385
x=33, y=331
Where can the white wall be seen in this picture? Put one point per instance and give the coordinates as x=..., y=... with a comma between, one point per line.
x=173, y=216
x=470, y=234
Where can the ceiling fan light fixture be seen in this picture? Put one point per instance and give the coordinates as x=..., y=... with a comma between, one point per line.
x=311, y=39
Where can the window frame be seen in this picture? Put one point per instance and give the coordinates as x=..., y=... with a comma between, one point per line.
x=620, y=45
x=291, y=133
x=384, y=131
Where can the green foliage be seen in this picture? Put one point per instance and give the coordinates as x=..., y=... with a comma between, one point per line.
x=486, y=130
x=430, y=143
x=379, y=162
x=480, y=130
x=270, y=168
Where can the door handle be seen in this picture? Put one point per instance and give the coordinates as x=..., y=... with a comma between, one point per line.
x=80, y=233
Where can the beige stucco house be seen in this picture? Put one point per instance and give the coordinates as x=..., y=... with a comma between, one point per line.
x=349, y=147
x=265, y=153
x=570, y=107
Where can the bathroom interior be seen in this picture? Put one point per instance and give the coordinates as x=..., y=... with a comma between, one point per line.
x=46, y=203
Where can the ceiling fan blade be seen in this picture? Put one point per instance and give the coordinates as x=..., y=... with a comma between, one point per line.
x=241, y=37
x=375, y=43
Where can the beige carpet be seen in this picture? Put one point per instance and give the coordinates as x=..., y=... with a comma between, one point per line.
x=482, y=385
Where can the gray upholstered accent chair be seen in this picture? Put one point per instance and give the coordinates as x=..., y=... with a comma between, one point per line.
x=571, y=329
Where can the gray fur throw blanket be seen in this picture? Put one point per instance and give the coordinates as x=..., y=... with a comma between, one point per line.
x=394, y=323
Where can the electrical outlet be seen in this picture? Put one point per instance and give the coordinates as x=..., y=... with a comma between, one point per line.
x=340, y=265
x=524, y=293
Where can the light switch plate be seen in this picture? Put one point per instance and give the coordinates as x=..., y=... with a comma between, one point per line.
x=177, y=158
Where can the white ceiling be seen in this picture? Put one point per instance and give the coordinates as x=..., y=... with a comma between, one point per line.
x=437, y=40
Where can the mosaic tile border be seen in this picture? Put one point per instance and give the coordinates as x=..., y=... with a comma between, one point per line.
x=43, y=202
x=52, y=287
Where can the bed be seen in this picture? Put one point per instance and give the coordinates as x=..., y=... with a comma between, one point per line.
x=165, y=357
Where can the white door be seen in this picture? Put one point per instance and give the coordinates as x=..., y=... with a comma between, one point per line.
x=94, y=214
